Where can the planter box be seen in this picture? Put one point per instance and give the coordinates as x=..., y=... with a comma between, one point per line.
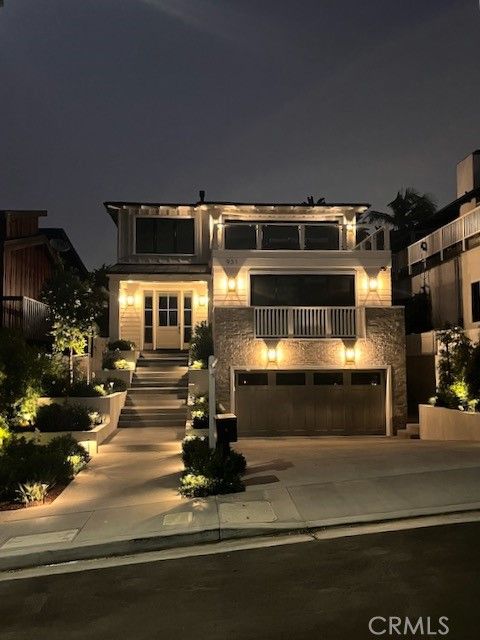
x=109, y=406
x=131, y=355
x=90, y=440
x=438, y=423
x=101, y=375
x=198, y=381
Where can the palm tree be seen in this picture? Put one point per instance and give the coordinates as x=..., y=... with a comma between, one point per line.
x=409, y=209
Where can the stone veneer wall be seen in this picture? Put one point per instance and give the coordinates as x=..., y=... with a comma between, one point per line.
x=384, y=344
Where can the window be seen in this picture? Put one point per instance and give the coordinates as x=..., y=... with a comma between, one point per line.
x=253, y=379
x=372, y=378
x=168, y=311
x=240, y=236
x=148, y=319
x=280, y=236
x=328, y=378
x=302, y=290
x=187, y=318
x=475, y=301
x=322, y=236
x=165, y=235
x=296, y=378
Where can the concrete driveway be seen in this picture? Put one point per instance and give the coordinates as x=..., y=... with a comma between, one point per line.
x=129, y=491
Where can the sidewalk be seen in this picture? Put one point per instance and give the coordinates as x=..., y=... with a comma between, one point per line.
x=126, y=500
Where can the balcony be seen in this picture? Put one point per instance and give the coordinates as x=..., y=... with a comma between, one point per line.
x=306, y=236
x=455, y=233
x=306, y=322
x=26, y=315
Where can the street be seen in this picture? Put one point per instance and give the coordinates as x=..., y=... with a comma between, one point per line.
x=327, y=589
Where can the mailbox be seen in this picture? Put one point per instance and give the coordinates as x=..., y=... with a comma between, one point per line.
x=226, y=425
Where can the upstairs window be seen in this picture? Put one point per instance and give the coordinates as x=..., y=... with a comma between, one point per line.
x=240, y=236
x=302, y=290
x=280, y=236
x=165, y=235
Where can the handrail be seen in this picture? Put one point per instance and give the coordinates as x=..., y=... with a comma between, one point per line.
x=455, y=232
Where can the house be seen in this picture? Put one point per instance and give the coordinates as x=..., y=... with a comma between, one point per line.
x=28, y=257
x=305, y=335
x=444, y=263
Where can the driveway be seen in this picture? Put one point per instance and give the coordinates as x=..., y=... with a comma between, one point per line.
x=129, y=491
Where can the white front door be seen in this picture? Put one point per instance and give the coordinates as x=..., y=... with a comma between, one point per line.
x=168, y=321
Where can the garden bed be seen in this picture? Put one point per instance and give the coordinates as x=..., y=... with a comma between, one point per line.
x=51, y=496
x=90, y=439
x=125, y=375
x=439, y=423
x=110, y=405
x=198, y=381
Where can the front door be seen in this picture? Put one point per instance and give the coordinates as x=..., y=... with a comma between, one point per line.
x=168, y=321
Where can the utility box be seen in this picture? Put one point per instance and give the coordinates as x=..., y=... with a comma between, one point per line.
x=226, y=425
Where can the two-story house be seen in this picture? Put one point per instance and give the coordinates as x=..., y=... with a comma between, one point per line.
x=306, y=338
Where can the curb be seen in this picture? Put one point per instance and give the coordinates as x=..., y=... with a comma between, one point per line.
x=134, y=546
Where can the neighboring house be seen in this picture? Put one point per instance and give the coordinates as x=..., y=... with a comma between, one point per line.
x=306, y=338
x=445, y=263
x=28, y=256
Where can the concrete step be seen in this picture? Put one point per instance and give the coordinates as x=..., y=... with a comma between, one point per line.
x=154, y=410
x=150, y=422
x=413, y=429
x=409, y=433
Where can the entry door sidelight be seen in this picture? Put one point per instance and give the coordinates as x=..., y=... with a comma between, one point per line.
x=187, y=317
x=148, y=321
x=168, y=325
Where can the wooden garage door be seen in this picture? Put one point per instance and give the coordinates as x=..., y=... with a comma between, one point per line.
x=317, y=403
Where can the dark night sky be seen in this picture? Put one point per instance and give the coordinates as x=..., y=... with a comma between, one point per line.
x=250, y=99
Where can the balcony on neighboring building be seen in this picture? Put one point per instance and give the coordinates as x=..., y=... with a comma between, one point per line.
x=449, y=240
x=25, y=315
x=304, y=236
x=306, y=322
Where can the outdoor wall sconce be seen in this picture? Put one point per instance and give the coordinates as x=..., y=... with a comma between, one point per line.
x=349, y=226
x=202, y=300
x=272, y=355
x=231, y=284
x=373, y=284
x=349, y=355
x=122, y=299
x=130, y=301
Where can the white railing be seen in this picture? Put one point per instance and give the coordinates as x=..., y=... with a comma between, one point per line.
x=306, y=322
x=379, y=240
x=454, y=232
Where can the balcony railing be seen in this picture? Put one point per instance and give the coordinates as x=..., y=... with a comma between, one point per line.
x=306, y=322
x=456, y=232
x=305, y=236
x=26, y=315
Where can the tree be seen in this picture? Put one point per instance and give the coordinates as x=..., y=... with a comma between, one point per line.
x=75, y=304
x=408, y=209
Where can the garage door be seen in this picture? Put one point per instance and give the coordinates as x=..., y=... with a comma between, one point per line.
x=316, y=403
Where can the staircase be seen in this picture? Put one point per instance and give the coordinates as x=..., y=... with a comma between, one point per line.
x=158, y=395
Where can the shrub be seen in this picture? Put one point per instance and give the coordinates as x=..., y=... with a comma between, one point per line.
x=21, y=369
x=55, y=377
x=114, y=385
x=64, y=417
x=4, y=431
x=210, y=472
x=32, y=492
x=113, y=360
x=195, y=486
x=70, y=449
x=121, y=345
x=201, y=344
x=472, y=373
x=200, y=422
x=83, y=389
x=23, y=462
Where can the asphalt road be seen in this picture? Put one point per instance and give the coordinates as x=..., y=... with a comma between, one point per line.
x=325, y=590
